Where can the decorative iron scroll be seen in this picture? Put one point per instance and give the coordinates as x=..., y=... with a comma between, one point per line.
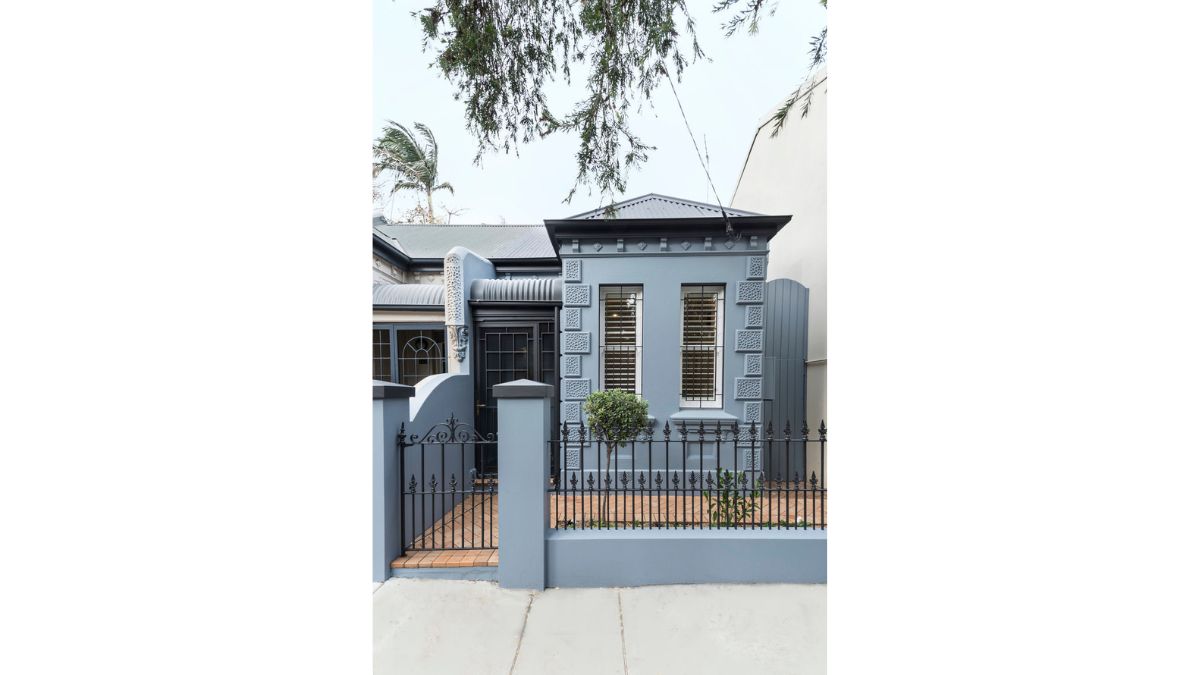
x=451, y=431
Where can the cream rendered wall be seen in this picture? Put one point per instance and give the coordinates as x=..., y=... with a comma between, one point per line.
x=387, y=273
x=787, y=175
x=396, y=316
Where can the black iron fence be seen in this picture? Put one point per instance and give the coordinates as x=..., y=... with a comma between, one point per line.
x=445, y=502
x=690, y=476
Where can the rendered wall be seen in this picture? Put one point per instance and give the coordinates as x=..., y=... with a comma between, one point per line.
x=439, y=396
x=787, y=174
x=461, y=267
x=648, y=557
x=389, y=411
x=740, y=265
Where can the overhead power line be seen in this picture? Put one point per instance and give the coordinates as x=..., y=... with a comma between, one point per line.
x=728, y=227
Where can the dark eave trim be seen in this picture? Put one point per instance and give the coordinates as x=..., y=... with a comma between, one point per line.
x=385, y=249
x=649, y=227
x=516, y=303
x=530, y=262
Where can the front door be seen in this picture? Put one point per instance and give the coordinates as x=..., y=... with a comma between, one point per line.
x=512, y=351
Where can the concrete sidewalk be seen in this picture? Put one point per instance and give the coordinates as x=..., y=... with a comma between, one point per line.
x=439, y=627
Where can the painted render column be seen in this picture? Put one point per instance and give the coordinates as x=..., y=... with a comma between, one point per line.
x=389, y=412
x=523, y=429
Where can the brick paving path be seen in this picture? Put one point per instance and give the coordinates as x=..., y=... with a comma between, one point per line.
x=473, y=522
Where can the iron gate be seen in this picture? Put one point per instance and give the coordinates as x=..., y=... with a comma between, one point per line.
x=446, y=501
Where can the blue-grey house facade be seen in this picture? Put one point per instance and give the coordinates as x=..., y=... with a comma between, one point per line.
x=660, y=296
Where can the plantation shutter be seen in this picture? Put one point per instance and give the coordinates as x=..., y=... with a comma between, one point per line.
x=620, y=342
x=701, y=343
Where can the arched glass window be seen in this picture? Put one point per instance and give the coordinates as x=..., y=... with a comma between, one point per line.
x=406, y=355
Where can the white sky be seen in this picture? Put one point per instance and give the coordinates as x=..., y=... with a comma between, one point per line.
x=725, y=100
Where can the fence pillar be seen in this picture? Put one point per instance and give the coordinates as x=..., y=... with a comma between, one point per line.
x=390, y=411
x=523, y=430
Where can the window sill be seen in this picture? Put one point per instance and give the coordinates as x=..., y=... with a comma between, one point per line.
x=697, y=415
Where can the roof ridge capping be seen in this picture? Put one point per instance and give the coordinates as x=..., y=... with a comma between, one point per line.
x=676, y=207
x=398, y=224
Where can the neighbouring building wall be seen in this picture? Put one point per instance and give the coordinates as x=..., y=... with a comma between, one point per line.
x=387, y=273
x=787, y=174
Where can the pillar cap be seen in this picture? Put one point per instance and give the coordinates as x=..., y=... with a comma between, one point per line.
x=383, y=389
x=522, y=389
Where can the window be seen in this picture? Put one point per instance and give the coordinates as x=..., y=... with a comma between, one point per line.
x=407, y=355
x=621, y=338
x=703, y=309
x=382, y=355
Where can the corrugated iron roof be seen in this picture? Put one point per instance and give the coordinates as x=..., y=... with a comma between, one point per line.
x=489, y=241
x=660, y=206
x=517, y=290
x=431, y=295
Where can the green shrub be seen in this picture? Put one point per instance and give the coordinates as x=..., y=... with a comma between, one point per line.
x=615, y=417
x=728, y=505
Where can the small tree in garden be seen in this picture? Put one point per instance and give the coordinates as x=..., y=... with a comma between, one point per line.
x=615, y=417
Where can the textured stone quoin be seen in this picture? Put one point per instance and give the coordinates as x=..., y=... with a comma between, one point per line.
x=756, y=267
x=753, y=411
x=750, y=292
x=572, y=412
x=576, y=389
x=572, y=269
x=754, y=316
x=576, y=342
x=748, y=388
x=572, y=318
x=577, y=295
x=749, y=341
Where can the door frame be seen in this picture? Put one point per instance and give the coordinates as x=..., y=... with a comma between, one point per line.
x=512, y=315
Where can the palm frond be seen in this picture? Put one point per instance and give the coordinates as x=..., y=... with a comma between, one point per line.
x=443, y=186
x=430, y=150
x=406, y=185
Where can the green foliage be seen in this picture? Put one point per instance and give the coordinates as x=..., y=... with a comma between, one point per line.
x=805, y=91
x=500, y=54
x=414, y=164
x=616, y=416
x=729, y=504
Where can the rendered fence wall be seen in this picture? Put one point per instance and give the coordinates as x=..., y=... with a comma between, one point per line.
x=390, y=410
x=532, y=555
x=599, y=558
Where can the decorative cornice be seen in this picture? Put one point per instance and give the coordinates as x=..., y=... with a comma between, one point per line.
x=455, y=294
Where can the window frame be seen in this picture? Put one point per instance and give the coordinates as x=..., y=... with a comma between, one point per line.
x=639, y=306
x=396, y=348
x=717, y=402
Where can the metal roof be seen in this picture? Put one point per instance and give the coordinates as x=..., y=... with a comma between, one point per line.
x=431, y=295
x=660, y=206
x=517, y=290
x=489, y=241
